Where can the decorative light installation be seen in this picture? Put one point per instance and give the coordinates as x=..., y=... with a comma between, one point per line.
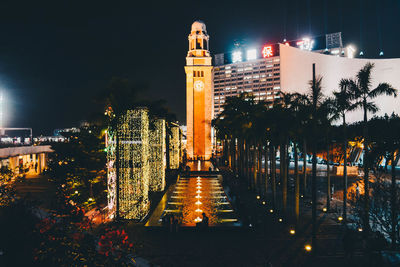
x=267, y=51
x=174, y=147
x=133, y=164
x=157, y=158
x=111, y=172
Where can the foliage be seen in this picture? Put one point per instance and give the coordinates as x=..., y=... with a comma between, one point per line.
x=79, y=166
x=66, y=238
x=7, y=191
x=18, y=238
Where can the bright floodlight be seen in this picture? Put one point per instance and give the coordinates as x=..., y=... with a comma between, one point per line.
x=350, y=51
x=237, y=56
x=251, y=54
x=306, y=44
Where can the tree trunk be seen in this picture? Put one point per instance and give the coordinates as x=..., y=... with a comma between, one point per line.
x=234, y=156
x=393, y=202
x=230, y=154
x=273, y=174
x=266, y=169
x=304, y=167
x=328, y=178
x=366, y=175
x=255, y=167
x=239, y=156
x=259, y=168
x=297, y=181
x=284, y=175
x=314, y=193
x=344, y=171
x=248, y=165
x=242, y=158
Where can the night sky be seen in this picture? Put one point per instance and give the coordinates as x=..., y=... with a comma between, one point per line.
x=55, y=57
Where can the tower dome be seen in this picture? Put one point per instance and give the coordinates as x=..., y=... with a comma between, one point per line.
x=199, y=26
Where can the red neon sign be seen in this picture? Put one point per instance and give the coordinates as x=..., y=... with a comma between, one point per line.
x=267, y=51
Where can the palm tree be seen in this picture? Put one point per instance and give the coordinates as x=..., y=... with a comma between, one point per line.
x=298, y=106
x=364, y=99
x=340, y=104
x=318, y=108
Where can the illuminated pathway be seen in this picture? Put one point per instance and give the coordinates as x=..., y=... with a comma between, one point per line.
x=190, y=197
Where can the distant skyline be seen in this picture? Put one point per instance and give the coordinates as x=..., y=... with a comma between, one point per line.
x=56, y=57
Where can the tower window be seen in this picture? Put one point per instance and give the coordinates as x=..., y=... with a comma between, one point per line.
x=198, y=44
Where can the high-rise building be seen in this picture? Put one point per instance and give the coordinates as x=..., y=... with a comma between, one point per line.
x=199, y=111
x=257, y=70
x=268, y=70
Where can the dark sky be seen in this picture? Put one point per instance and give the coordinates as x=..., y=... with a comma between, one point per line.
x=55, y=57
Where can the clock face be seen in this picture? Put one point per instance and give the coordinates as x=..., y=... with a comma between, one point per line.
x=198, y=85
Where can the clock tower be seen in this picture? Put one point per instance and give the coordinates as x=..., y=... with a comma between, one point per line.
x=198, y=94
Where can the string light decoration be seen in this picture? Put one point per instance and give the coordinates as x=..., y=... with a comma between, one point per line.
x=174, y=147
x=133, y=164
x=110, y=144
x=157, y=158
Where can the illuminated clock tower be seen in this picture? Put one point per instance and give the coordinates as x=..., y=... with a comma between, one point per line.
x=198, y=94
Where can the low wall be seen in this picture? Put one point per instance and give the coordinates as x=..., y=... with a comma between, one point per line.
x=351, y=170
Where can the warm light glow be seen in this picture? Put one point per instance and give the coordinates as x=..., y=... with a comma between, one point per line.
x=133, y=147
x=198, y=219
x=340, y=218
x=267, y=51
x=258, y=197
x=199, y=210
x=360, y=229
x=157, y=158
x=307, y=247
x=263, y=203
x=271, y=210
x=292, y=231
x=280, y=220
x=324, y=209
x=198, y=202
x=174, y=147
